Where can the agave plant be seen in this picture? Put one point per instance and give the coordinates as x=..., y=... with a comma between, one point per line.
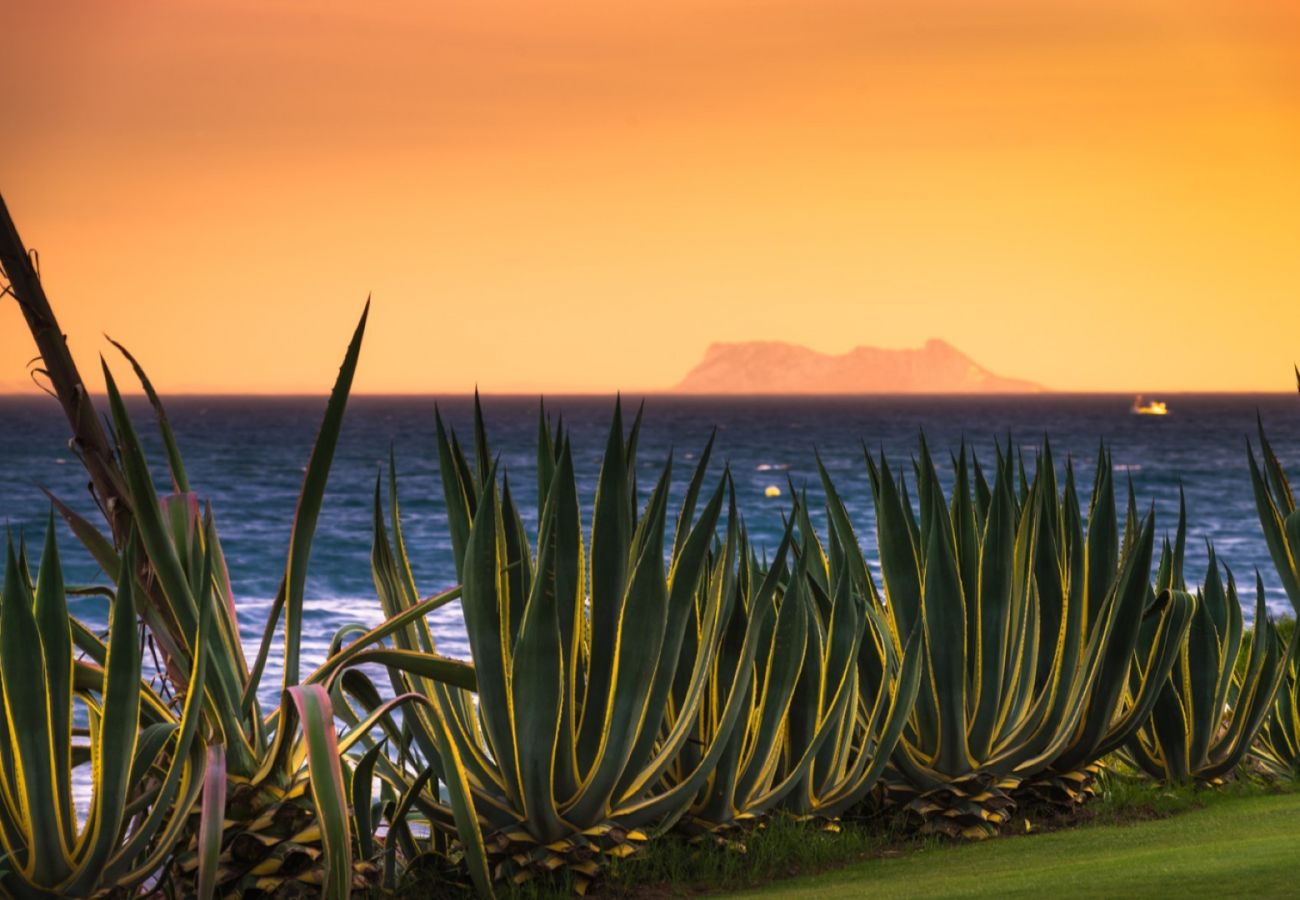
x=278, y=773
x=829, y=694
x=593, y=658
x=274, y=830
x=286, y=803
x=1278, y=747
x=1278, y=515
x=145, y=760
x=1023, y=657
x=1211, y=708
x=729, y=798
x=1140, y=632
x=880, y=672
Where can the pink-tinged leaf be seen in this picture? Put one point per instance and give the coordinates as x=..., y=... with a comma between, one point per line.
x=211, y=819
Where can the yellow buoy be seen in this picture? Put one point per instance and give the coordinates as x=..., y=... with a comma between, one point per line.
x=772, y=491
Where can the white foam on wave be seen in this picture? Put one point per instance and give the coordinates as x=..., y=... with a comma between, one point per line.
x=323, y=617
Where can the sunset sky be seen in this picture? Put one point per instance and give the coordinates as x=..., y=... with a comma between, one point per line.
x=1091, y=194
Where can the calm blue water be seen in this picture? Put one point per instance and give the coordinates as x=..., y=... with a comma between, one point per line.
x=247, y=455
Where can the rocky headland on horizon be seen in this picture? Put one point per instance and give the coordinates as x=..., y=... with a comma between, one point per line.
x=776, y=367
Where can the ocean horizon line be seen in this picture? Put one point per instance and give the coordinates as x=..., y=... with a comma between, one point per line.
x=685, y=395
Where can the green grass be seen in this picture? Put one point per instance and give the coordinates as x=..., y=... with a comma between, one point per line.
x=1238, y=842
x=783, y=848
x=1134, y=838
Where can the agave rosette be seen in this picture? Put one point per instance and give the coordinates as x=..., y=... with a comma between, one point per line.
x=1139, y=632
x=280, y=774
x=1278, y=516
x=145, y=758
x=1277, y=748
x=1213, y=705
x=593, y=657
x=1279, y=742
x=830, y=693
x=1022, y=660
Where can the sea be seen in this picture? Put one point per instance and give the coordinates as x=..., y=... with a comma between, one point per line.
x=247, y=456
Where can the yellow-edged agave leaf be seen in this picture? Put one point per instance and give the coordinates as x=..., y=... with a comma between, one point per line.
x=1130, y=636
x=176, y=465
x=882, y=679
x=154, y=838
x=312, y=704
x=31, y=752
x=1278, y=515
x=827, y=700
x=717, y=684
x=774, y=634
x=1043, y=647
x=146, y=761
x=175, y=608
x=1210, y=711
x=1278, y=746
x=591, y=659
x=269, y=801
x=309, y=503
x=975, y=699
x=344, y=655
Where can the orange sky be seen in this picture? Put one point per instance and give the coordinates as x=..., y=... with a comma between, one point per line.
x=1093, y=194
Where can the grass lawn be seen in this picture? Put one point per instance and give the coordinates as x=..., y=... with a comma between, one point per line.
x=1235, y=845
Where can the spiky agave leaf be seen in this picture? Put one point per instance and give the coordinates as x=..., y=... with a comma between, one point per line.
x=263, y=768
x=745, y=782
x=1139, y=634
x=170, y=577
x=276, y=828
x=147, y=760
x=1022, y=653
x=888, y=671
x=1277, y=748
x=830, y=694
x=950, y=742
x=589, y=676
x=1278, y=516
x=1210, y=710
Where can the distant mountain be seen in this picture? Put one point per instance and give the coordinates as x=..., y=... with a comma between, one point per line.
x=774, y=367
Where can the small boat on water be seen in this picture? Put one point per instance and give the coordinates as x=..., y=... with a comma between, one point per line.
x=1154, y=408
